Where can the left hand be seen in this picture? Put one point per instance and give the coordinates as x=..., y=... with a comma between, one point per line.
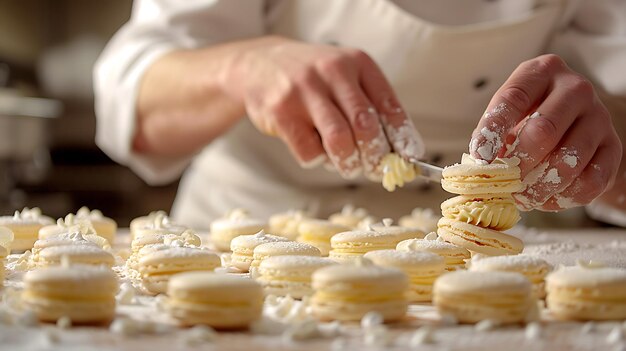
x=569, y=150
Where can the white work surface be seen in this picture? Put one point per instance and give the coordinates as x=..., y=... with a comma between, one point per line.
x=558, y=247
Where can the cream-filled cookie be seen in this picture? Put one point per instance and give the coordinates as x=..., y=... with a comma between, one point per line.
x=234, y=224
x=349, y=216
x=317, y=232
x=424, y=219
x=290, y=275
x=474, y=177
x=25, y=226
x=286, y=224
x=282, y=248
x=533, y=268
x=454, y=256
x=243, y=246
x=477, y=239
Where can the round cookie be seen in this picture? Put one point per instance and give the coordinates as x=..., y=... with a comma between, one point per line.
x=290, y=275
x=234, y=224
x=477, y=239
x=85, y=294
x=243, y=246
x=104, y=226
x=157, y=267
x=497, y=212
x=350, y=245
x=533, y=268
x=472, y=177
x=347, y=292
x=421, y=267
x=76, y=254
x=6, y=239
x=454, y=256
x=286, y=224
x=579, y=293
x=472, y=296
x=25, y=226
x=145, y=221
x=349, y=216
x=221, y=301
x=282, y=248
x=424, y=219
x=318, y=232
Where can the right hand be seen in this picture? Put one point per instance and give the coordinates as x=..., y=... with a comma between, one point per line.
x=324, y=102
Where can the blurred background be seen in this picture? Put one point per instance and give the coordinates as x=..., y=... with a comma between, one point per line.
x=48, y=157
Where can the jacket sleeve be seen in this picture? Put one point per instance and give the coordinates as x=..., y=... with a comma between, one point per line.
x=593, y=42
x=155, y=28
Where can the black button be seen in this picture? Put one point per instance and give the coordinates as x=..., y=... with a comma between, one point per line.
x=481, y=83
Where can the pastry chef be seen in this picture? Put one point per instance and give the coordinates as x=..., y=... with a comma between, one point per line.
x=275, y=105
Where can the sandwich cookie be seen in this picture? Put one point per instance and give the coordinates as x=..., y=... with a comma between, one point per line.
x=243, y=248
x=6, y=239
x=290, y=275
x=221, y=301
x=424, y=219
x=157, y=267
x=281, y=248
x=76, y=254
x=84, y=294
x=25, y=226
x=145, y=221
x=476, y=239
x=350, y=245
x=475, y=177
x=422, y=268
x=579, y=293
x=286, y=224
x=533, y=268
x=160, y=224
x=495, y=211
x=188, y=238
x=104, y=226
x=67, y=239
x=234, y=224
x=317, y=232
x=454, y=256
x=347, y=292
x=349, y=216
x=472, y=296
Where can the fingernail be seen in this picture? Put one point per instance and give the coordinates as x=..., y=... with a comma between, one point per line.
x=315, y=162
x=392, y=105
x=368, y=119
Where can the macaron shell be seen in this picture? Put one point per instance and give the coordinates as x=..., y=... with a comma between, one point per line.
x=82, y=254
x=477, y=239
x=328, y=310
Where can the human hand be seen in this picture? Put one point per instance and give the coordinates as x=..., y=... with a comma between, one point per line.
x=568, y=148
x=325, y=103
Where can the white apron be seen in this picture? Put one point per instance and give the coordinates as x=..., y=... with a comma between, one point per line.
x=443, y=75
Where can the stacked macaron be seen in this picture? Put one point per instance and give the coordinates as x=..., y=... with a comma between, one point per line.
x=290, y=275
x=243, y=246
x=484, y=207
x=158, y=236
x=454, y=256
x=584, y=293
x=78, y=244
x=422, y=269
x=347, y=292
x=25, y=226
x=235, y=223
x=281, y=248
x=318, y=233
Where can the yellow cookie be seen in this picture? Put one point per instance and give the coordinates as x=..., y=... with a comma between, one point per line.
x=472, y=177
x=493, y=211
x=454, y=256
x=318, y=232
x=477, y=239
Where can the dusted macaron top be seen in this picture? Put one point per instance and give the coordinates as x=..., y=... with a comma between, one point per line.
x=77, y=276
x=26, y=217
x=583, y=277
x=253, y=240
x=167, y=254
x=512, y=262
x=286, y=248
x=407, y=259
x=365, y=272
x=497, y=283
x=435, y=246
x=228, y=287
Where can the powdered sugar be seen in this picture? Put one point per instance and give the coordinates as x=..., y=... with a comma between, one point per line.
x=552, y=177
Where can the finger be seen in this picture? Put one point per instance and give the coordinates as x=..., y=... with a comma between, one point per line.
x=562, y=166
x=592, y=182
x=333, y=128
x=543, y=131
x=515, y=99
x=300, y=136
x=358, y=110
x=400, y=130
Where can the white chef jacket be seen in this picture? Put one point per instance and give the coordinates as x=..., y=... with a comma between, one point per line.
x=444, y=58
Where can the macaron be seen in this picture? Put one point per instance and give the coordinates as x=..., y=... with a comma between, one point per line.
x=157, y=267
x=350, y=245
x=84, y=294
x=144, y=221
x=234, y=224
x=532, y=267
x=160, y=224
x=474, y=177
x=318, y=232
x=76, y=254
x=66, y=239
x=282, y=248
x=347, y=292
x=424, y=219
x=493, y=211
x=104, y=226
x=25, y=226
x=349, y=216
x=187, y=238
x=243, y=246
x=473, y=296
x=290, y=275
x=6, y=239
x=286, y=224
x=221, y=301
x=476, y=239
x=580, y=293
x=454, y=256
x=422, y=268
